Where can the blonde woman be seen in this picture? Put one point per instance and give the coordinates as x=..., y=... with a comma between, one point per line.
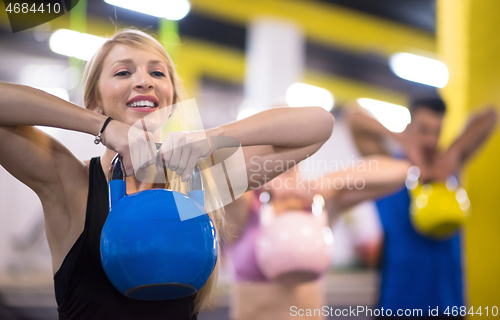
x=130, y=66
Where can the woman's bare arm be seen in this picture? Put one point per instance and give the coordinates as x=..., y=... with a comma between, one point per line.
x=374, y=177
x=237, y=214
x=42, y=163
x=277, y=139
x=23, y=105
x=28, y=153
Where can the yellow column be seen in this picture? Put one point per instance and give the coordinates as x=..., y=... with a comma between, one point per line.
x=468, y=43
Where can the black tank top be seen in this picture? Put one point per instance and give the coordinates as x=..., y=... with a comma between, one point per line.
x=82, y=289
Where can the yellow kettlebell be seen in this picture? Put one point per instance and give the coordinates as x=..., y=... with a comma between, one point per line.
x=438, y=209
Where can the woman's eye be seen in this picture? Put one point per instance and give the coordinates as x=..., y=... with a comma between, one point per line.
x=122, y=73
x=158, y=73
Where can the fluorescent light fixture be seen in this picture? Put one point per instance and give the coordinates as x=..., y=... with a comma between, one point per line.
x=391, y=116
x=304, y=95
x=419, y=69
x=75, y=44
x=169, y=9
x=246, y=112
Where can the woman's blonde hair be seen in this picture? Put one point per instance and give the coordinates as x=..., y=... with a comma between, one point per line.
x=138, y=39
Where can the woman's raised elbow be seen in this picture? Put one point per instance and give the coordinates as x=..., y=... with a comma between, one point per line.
x=324, y=122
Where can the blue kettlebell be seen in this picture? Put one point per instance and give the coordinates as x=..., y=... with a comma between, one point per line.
x=157, y=244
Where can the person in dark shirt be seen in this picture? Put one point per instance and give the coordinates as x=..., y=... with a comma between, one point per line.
x=129, y=77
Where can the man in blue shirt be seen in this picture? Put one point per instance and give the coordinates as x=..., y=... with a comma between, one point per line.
x=420, y=277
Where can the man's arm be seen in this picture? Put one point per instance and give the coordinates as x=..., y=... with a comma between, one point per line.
x=368, y=133
x=476, y=132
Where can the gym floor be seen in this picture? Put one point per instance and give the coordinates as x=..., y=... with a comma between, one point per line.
x=34, y=300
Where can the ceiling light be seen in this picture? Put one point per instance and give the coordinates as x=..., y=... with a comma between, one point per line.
x=304, y=95
x=392, y=116
x=75, y=44
x=419, y=69
x=169, y=9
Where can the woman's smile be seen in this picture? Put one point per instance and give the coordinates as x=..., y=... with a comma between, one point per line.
x=143, y=103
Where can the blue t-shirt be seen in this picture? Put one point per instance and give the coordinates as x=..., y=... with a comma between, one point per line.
x=417, y=272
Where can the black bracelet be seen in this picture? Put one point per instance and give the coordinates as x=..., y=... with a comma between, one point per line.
x=97, y=139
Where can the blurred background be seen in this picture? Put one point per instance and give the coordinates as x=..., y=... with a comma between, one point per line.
x=240, y=57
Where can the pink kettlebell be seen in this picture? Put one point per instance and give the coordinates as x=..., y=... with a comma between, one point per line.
x=295, y=247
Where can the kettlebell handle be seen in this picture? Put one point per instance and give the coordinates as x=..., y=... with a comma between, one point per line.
x=413, y=175
x=117, y=169
x=117, y=172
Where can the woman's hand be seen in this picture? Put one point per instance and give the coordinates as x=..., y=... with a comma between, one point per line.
x=136, y=146
x=180, y=152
